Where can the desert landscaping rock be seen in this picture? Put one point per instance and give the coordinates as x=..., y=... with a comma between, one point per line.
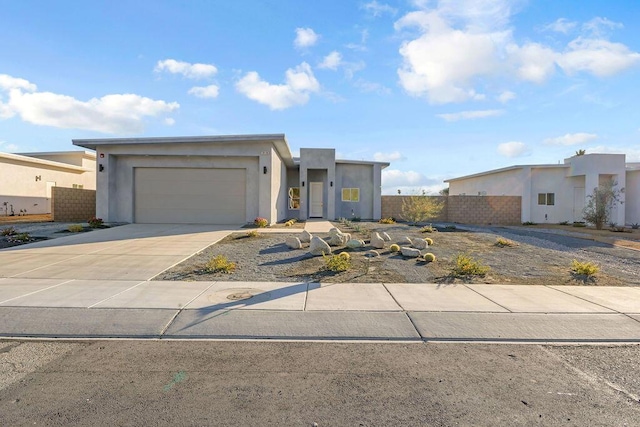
x=385, y=236
x=419, y=243
x=406, y=240
x=318, y=247
x=410, y=252
x=355, y=243
x=372, y=254
x=377, y=241
x=305, y=237
x=293, y=242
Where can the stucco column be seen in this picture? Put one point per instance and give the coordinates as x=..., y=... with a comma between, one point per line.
x=331, y=193
x=103, y=185
x=377, y=192
x=304, y=188
x=618, y=215
x=264, y=186
x=526, y=194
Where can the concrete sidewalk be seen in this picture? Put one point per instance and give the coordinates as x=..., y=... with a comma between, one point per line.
x=31, y=307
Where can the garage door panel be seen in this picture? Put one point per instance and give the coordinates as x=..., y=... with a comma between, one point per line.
x=188, y=195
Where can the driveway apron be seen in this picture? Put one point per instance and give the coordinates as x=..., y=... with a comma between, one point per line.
x=128, y=252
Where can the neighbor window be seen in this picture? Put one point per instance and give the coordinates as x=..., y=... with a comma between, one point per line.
x=547, y=199
x=294, y=197
x=350, y=194
x=78, y=186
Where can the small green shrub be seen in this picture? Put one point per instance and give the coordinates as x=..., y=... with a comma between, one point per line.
x=429, y=257
x=19, y=238
x=579, y=224
x=75, y=228
x=8, y=231
x=504, y=243
x=389, y=220
x=220, y=264
x=635, y=225
x=465, y=265
x=428, y=229
x=584, y=268
x=95, y=222
x=356, y=219
x=429, y=241
x=289, y=223
x=357, y=228
x=253, y=233
x=563, y=223
x=529, y=223
x=337, y=263
x=260, y=222
x=394, y=248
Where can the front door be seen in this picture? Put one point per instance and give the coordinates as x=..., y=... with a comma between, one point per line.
x=315, y=196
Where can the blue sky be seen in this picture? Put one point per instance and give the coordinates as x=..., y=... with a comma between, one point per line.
x=438, y=88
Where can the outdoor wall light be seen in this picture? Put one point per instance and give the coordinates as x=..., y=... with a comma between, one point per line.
x=38, y=177
x=101, y=168
x=331, y=184
x=264, y=170
x=303, y=183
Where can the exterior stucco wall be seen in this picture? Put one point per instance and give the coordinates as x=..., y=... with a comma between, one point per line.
x=18, y=185
x=355, y=176
x=278, y=191
x=632, y=192
x=507, y=183
x=552, y=180
x=293, y=180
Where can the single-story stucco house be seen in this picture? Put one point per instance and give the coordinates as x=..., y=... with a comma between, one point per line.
x=557, y=193
x=228, y=180
x=26, y=179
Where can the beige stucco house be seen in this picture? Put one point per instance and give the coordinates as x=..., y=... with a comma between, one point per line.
x=556, y=193
x=26, y=179
x=230, y=179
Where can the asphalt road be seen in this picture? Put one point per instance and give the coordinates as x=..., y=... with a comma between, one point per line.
x=104, y=383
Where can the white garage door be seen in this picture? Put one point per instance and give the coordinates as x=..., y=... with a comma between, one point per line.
x=190, y=196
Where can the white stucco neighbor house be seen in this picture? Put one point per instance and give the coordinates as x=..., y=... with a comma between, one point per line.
x=26, y=179
x=556, y=193
x=228, y=180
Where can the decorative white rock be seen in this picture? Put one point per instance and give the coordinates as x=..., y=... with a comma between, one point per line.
x=317, y=247
x=377, y=241
x=386, y=237
x=405, y=241
x=293, y=242
x=372, y=254
x=305, y=236
x=410, y=252
x=354, y=243
x=419, y=243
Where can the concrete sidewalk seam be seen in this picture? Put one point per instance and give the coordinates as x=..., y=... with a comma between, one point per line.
x=180, y=310
x=595, y=303
x=115, y=295
x=487, y=298
x=39, y=290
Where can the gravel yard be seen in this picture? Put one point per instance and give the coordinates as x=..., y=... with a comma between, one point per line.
x=538, y=258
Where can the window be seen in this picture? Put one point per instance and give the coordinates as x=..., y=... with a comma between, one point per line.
x=294, y=197
x=78, y=186
x=350, y=194
x=547, y=199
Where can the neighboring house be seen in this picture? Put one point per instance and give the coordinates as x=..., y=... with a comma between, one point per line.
x=26, y=179
x=557, y=193
x=228, y=180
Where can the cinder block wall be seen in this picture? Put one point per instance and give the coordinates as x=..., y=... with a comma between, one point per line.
x=505, y=210
x=72, y=204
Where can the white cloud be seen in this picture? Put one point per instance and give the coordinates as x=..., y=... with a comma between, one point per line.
x=117, y=113
x=506, y=96
x=513, y=149
x=388, y=157
x=210, y=91
x=443, y=62
x=599, y=57
x=305, y=37
x=331, y=61
x=632, y=153
x=561, y=25
x=571, y=139
x=466, y=115
x=534, y=62
x=599, y=26
x=300, y=82
x=169, y=121
x=191, y=71
x=409, y=182
x=7, y=83
x=378, y=9
x=368, y=87
x=8, y=148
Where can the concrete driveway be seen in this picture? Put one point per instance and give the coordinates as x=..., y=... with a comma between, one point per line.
x=128, y=252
